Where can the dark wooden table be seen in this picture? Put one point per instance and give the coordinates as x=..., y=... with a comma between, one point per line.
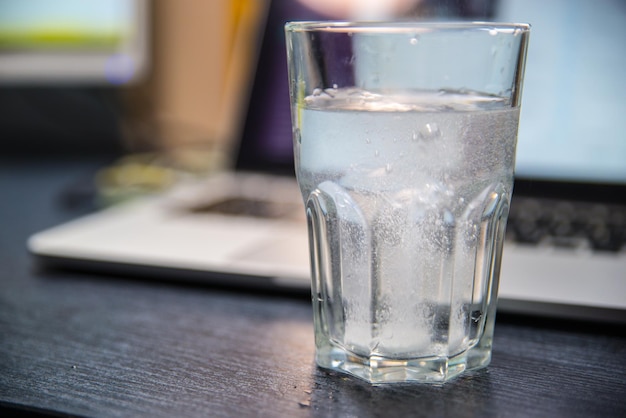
x=93, y=345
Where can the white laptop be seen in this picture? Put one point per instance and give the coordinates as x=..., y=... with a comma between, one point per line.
x=247, y=227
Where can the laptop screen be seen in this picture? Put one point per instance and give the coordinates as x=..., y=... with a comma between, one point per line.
x=572, y=135
x=572, y=125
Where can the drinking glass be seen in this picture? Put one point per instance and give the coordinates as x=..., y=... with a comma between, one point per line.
x=404, y=139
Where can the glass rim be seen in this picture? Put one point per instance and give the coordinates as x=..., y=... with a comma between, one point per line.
x=345, y=26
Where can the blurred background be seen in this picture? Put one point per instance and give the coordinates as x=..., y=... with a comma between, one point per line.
x=151, y=86
x=166, y=81
x=116, y=75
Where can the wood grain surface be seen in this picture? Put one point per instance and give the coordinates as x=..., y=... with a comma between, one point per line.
x=79, y=344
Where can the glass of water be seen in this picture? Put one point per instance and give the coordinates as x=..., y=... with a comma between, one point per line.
x=404, y=139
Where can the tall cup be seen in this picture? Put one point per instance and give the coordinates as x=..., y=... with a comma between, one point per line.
x=404, y=139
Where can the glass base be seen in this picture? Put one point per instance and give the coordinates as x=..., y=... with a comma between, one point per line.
x=380, y=370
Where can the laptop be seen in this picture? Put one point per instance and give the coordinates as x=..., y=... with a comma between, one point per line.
x=246, y=227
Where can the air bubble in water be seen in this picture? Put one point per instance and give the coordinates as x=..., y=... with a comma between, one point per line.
x=429, y=132
x=414, y=40
x=493, y=32
x=388, y=168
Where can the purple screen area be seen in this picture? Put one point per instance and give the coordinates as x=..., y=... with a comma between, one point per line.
x=276, y=133
x=267, y=140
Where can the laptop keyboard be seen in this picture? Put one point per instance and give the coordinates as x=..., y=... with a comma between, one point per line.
x=567, y=224
x=532, y=221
